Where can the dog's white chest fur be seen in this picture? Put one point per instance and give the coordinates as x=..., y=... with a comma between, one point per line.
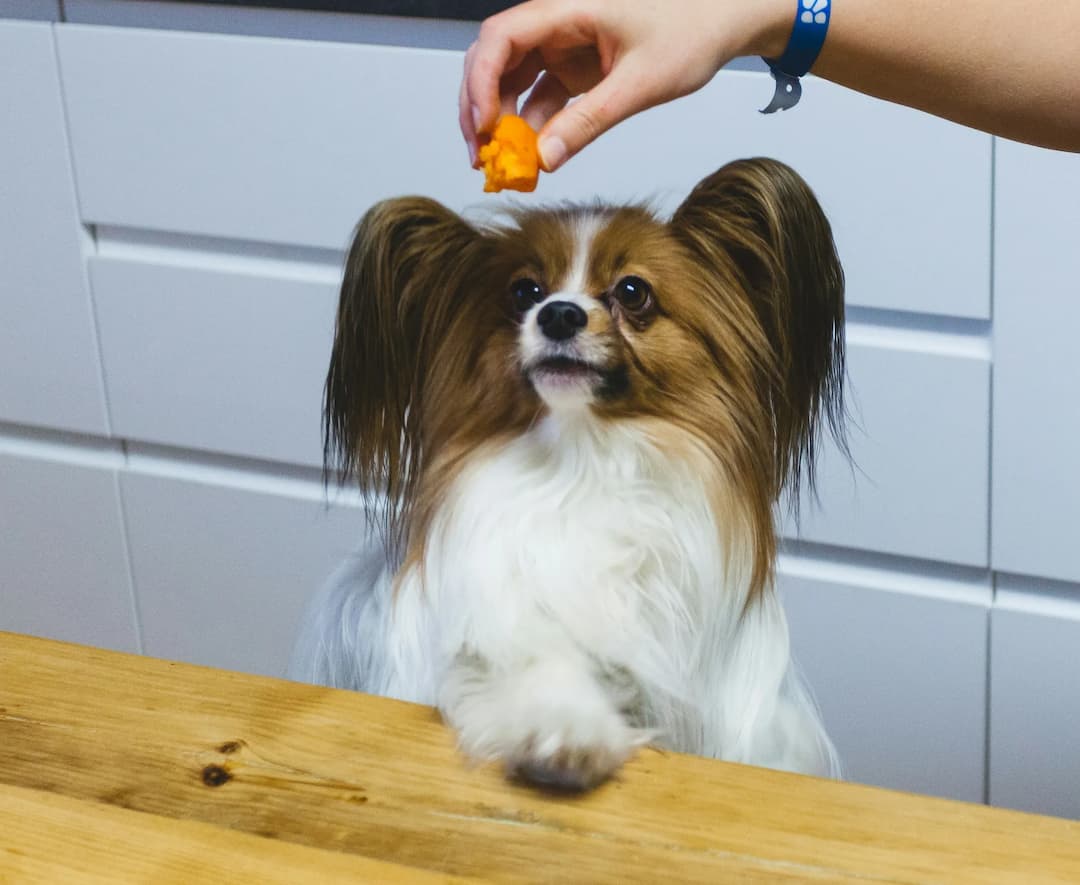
x=582, y=535
x=577, y=589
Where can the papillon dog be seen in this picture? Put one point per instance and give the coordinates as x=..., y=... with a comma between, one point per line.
x=578, y=423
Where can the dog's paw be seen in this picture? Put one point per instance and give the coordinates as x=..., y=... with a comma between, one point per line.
x=573, y=755
x=551, y=726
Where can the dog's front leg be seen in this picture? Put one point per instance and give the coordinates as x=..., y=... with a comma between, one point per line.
x=559, y=721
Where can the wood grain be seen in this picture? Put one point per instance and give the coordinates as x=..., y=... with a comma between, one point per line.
x=381, y=779
x=52, y=838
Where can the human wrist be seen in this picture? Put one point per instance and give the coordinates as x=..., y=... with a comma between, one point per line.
x=772, y=27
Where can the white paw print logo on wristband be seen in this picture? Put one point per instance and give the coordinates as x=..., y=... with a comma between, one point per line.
x=814, y=11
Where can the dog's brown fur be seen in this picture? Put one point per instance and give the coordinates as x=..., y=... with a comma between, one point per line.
x=741, y=344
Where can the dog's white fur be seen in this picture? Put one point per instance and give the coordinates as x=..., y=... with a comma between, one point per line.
x=573, y=574
x=577, y=599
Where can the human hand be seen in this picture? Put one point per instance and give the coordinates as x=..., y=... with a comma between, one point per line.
x=617, y=58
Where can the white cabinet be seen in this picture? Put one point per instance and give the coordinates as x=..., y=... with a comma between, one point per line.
x=919, y=439
x=49, y=371
x=898, y=665
x=223, y=564
x=287, y=141
x=63, y=565
x=1035, y=698
x=1036, y=476
x=223, y=361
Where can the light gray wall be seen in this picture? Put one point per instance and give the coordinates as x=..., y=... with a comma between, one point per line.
x=39, y=10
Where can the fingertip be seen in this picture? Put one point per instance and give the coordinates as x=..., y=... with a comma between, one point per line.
x=470, y=139
x=483, y=114
x=481, y=118
x=553, y=152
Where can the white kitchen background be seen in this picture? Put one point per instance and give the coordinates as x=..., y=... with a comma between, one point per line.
x=177, y=187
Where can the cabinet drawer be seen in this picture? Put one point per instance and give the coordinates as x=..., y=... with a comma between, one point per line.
x=281, y=141
x=919, y=438
x=289, y=141
x=49, y=371
x=1036, y=408
x=1034, y=699
x=898, y=665
x=207, y=359
x=222, y=570
x=63, y=571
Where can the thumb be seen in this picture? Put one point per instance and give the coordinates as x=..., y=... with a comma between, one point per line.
x=618, y=96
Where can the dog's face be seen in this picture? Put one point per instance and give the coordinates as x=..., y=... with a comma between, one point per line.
x=610, y=312
x=723, y=323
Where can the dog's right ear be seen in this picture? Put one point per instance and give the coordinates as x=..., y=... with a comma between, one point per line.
x=403, y=280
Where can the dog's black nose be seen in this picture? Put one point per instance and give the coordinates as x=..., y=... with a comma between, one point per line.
x=560, y=320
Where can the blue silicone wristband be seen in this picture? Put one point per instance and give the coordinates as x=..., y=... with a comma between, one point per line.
x=804, y=46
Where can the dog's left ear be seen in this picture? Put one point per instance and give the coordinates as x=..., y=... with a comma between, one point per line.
x=758, y=219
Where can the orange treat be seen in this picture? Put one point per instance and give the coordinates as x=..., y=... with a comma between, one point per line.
x=511, y=160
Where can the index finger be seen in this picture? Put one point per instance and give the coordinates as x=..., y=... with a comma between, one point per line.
x=505, y=40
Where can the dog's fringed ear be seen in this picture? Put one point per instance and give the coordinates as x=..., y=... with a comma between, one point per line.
x=403, y=282
x=759, y=218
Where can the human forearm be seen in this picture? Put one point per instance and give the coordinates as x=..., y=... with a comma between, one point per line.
x=1010, y=69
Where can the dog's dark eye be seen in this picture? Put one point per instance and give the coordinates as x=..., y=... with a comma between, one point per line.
x=525, y=293
x=634, y=294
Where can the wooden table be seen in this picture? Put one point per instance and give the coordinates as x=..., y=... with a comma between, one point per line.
x=120, y=768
